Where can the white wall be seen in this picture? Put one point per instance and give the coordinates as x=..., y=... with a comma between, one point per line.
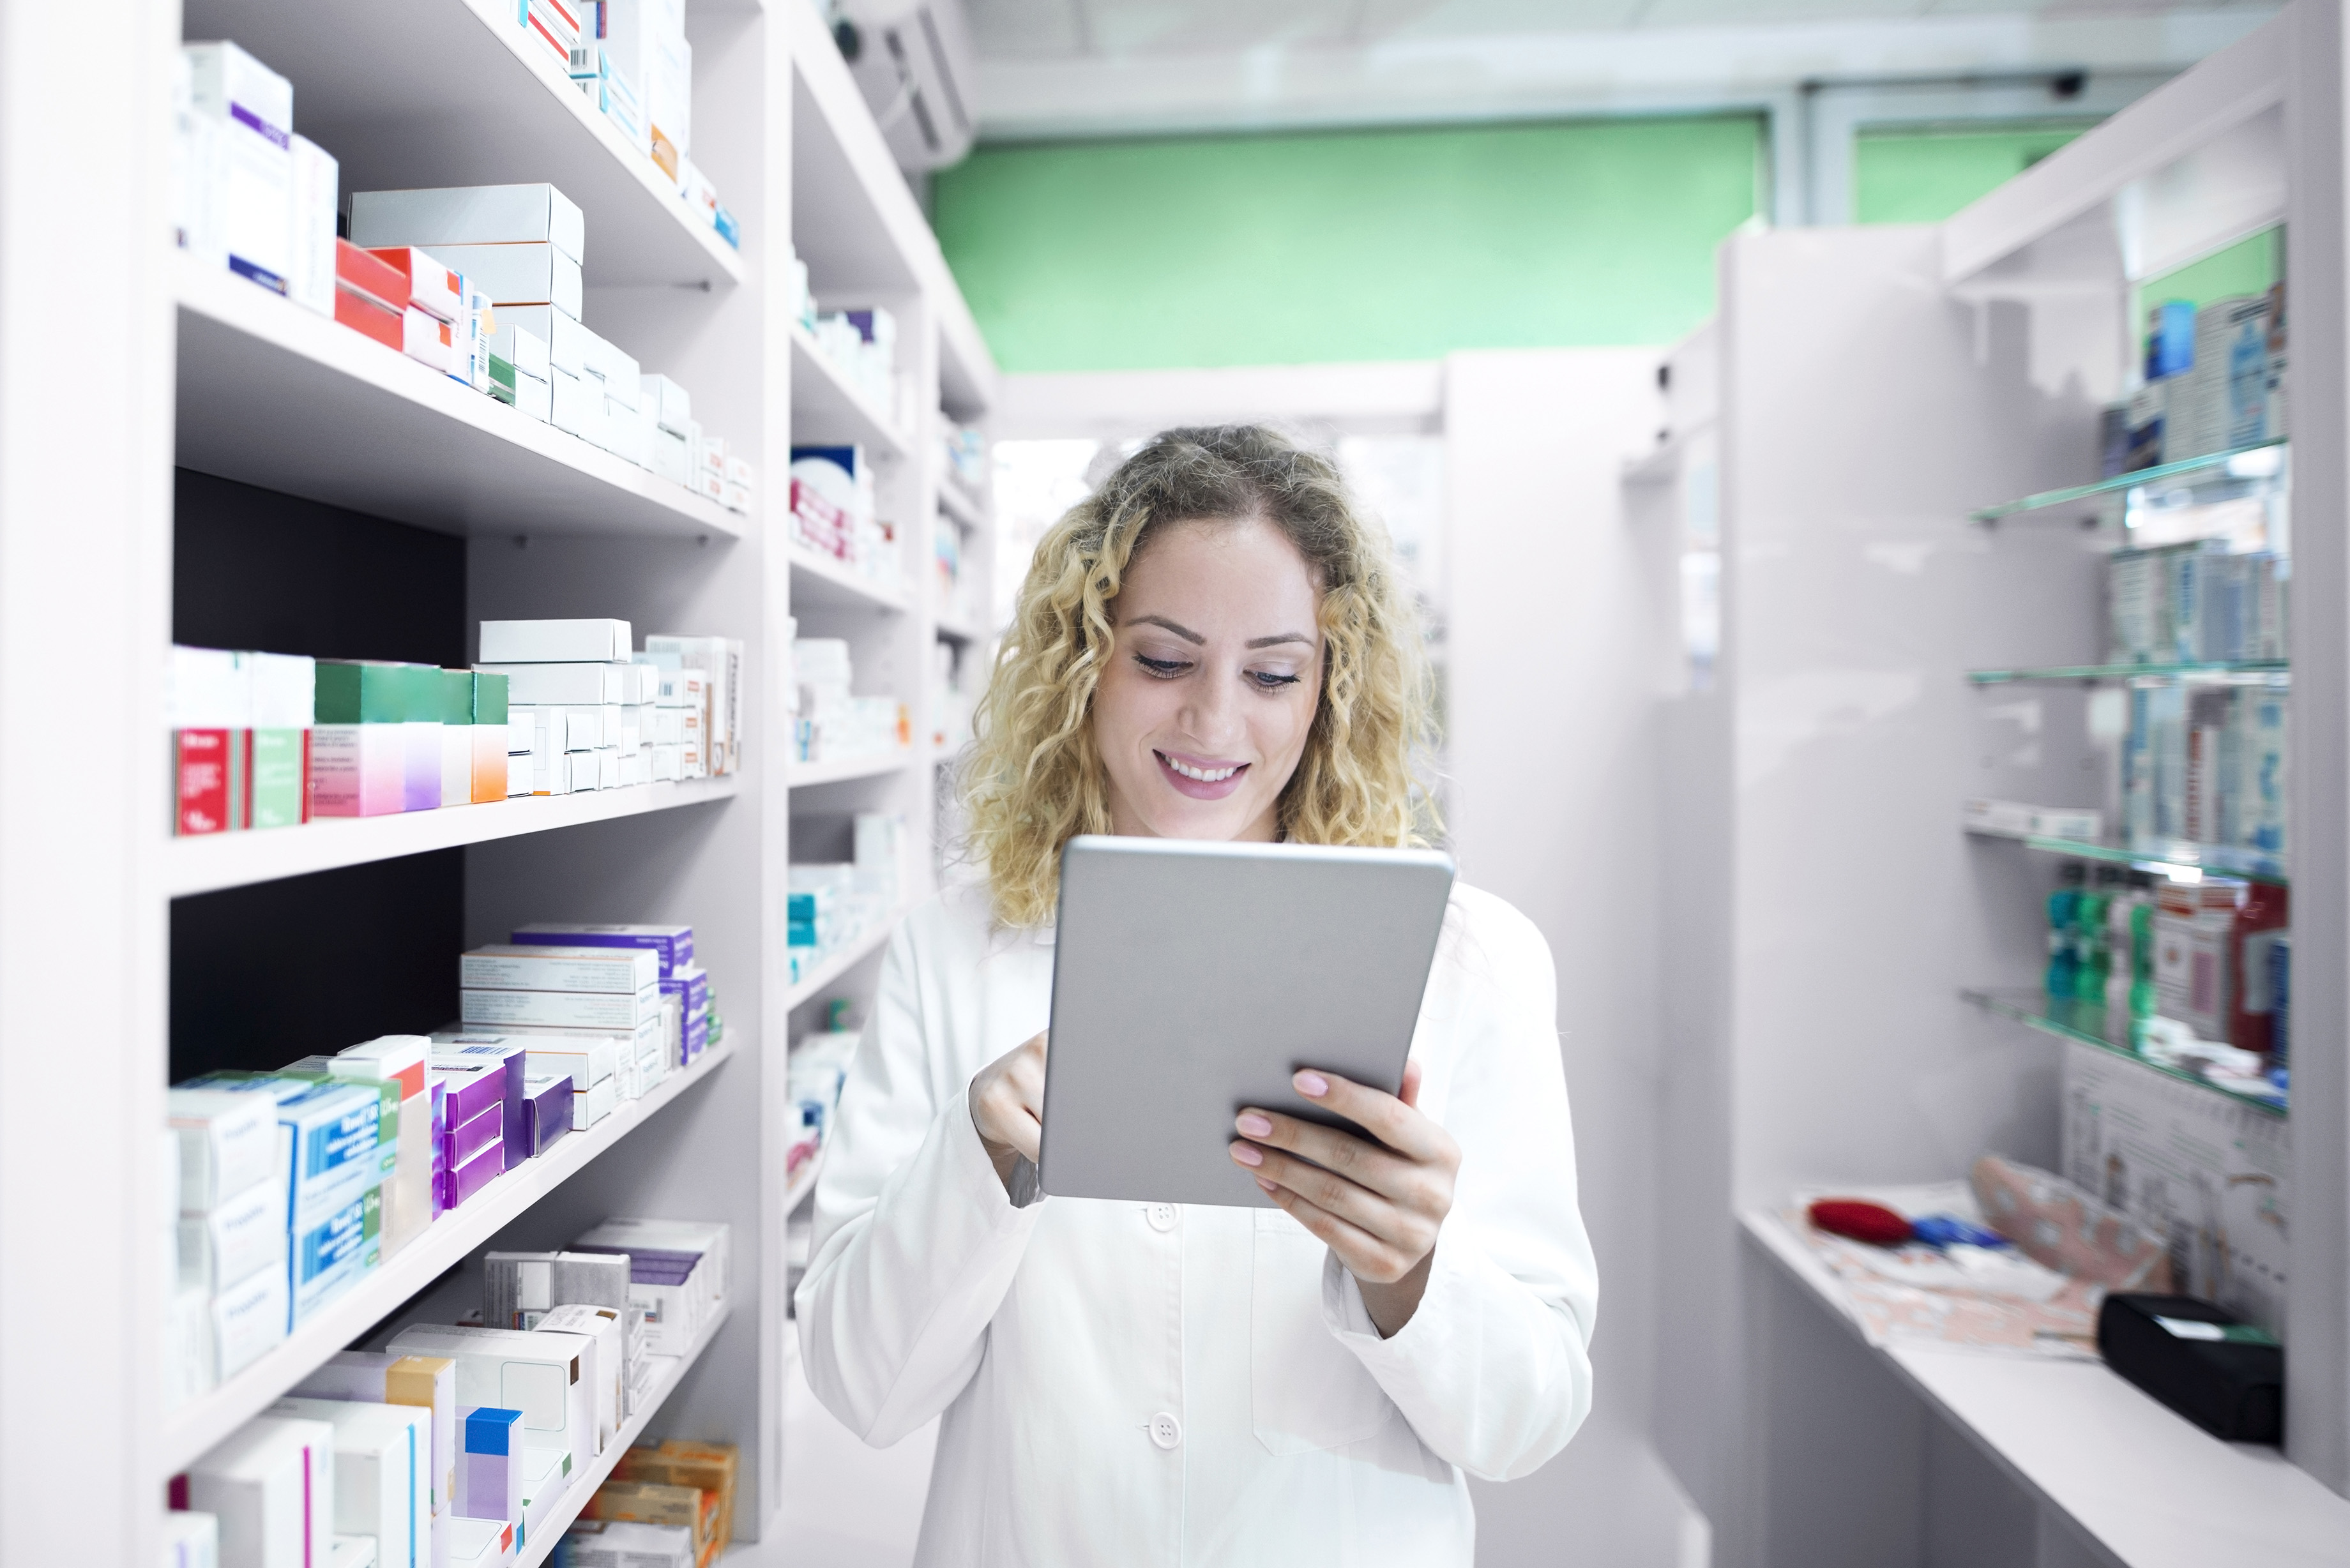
x=1562, y=625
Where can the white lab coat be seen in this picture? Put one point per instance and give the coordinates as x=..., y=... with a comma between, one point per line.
x=1144, y=1384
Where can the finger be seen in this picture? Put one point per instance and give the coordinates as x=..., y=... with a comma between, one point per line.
x=1027, y=1137
x=1406, y=1227
x=1366, y=1256
x=1384, y=1116
x=1357, y=1159
x=1409, y=1093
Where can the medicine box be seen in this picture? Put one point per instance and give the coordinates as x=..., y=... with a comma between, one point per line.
x=606, y=1326
x=672, y=945
x=512, y=1064
x=191, y=1539
x=329, y=1256
x=473, y=1088
x=584, y=641
x=525, y=350
x=383, y=1473
x=566, y=339
x=672, y=409
x=530, y=966
x=545, y=1476
x=515, y=274
x=519, y=1288
x=470, y=215
x=235, y=1241
x=464, y=1182
x=537, y=1373
x=425, y=1383
x=555, y=685
x=547, y=1102
x=247, y=1321
x=489, y=1463
x=253, y=179
x=427, y=283
x=271, y=1485
x=558, y=1009
x=478, y=1543
x=228, y=1145
x=310, y=234
x=593, y=1104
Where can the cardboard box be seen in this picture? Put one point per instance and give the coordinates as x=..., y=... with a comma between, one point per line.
x=552, y=685
x=525, y=350
x=515, y=274
x=310, y=225
x=536, y=967
x=367, y=318
x=428, y=1383
x=567, y=341
x=253, y=176
x=271, y=1484
x=428, y=284
x=534, y=396
x=227, y=1143
x=237, y=1239
x=558, y=1009
x=383, y=1473
x=672, y=407
x=426, y=339
x=248, y=1320
x=554, y=641
x=548, y=1378
x=471, y=215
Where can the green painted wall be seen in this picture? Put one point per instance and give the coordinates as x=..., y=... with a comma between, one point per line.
x=1922, y=174
x=1327, y=247
x=2248, y=266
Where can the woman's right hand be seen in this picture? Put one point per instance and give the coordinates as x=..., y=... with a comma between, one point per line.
x=1007, y=1106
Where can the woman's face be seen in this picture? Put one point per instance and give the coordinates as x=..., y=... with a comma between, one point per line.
x=1204, y=709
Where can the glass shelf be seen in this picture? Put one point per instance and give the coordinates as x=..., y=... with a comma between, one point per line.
x=2237, y=672
x=2086, y=1023
x=2165, y=857
x=2218, y=467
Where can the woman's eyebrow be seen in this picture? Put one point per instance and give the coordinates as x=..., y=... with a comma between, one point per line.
x=1185, y=632
x=1279, y=637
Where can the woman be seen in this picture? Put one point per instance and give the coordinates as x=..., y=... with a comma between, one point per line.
x=1212, y=646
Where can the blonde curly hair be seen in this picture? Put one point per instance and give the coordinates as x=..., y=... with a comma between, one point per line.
x=1033, y=778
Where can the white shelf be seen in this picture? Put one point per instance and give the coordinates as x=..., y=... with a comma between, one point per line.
x=455, y=93
x=2150, y=1487
x=828, y=410
x=842, y=960
x=963, y=508
x=827, y=583
x=188, y=1432
x=237, y=860
x=585, y=1482
x=275, y=395
x=802, y=775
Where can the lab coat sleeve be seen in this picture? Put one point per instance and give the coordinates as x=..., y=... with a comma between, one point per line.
x=915, y=1241
x=1494, y=1369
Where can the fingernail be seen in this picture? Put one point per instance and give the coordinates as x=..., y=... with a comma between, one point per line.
x=1254, y=1125
x=1312, y=1084
x=1248, y=1154
x=1268, y=1185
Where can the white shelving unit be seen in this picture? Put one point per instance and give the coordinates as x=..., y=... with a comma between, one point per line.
x=1876, y=386
x=208, y=375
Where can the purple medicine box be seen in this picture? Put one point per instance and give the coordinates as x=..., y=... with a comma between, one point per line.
x=457, y=1050
x=549, y=1107
x=674, y=943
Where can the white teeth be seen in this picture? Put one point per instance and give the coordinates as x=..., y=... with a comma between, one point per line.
x=1205, y=776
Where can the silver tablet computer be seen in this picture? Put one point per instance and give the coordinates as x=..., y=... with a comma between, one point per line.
x=1190, y=980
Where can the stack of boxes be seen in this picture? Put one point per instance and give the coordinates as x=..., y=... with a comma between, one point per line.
x=685, y=1021
x=2215, y=381
x=591, y=715
x=458, y=1444
x=830, y=906
x=834, y=511
x=2198, y=603
x=240, y=738
x=864, y=345
x=613, y=995
x=406, y=737
x=247, y=194
x=831, y=724
x=713, y=665
x=633, y=59
x=228, y=1304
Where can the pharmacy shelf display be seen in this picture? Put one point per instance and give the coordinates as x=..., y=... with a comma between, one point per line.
x=839, y=961
x=541, y=1548
x=458, y=94
x=270, y=394
x=824, y=583
x=1841, y=482
x=449, y=1240
x=828, y=410
x=966, y=509
x=210, y=373
x=806, y=776
x=238, y=859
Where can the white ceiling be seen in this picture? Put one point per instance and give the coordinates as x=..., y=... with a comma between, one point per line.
x=1060, y=67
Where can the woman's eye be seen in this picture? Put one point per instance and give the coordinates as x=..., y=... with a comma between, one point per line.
x=1160, y=666
x=1271, y=681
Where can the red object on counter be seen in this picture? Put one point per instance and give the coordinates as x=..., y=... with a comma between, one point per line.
x=1871, y=1222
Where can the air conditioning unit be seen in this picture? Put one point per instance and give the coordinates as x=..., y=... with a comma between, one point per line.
x=912, y=59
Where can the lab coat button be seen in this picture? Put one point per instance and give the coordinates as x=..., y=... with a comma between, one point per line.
x=1165, y=1431
x=1163, y=1216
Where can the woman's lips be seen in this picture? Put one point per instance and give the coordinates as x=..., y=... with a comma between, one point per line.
x=1178, y=768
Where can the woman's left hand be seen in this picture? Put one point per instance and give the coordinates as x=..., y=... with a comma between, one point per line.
x=1378, y=1205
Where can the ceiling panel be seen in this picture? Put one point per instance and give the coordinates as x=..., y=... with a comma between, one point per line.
x=1063, y=29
